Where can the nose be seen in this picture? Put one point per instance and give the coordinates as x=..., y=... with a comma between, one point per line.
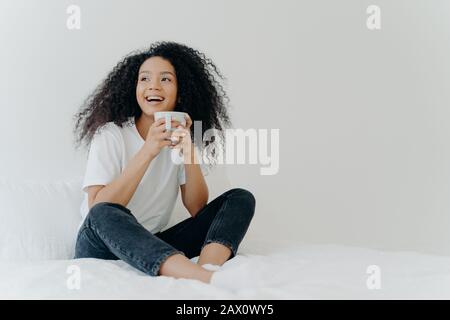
x=154, y=85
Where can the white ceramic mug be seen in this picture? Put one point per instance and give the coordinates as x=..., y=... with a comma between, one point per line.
x=169, y=116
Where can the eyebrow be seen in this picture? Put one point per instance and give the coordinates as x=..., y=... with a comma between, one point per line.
x=163, y=72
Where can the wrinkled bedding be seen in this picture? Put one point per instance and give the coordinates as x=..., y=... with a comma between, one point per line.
x=298, y=271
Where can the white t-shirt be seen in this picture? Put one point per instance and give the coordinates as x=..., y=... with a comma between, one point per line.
x=111, y=149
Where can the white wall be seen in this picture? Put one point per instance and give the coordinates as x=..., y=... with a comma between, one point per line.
x=363, y=115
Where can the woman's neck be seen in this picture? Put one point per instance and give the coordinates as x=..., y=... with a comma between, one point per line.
x=143, y=124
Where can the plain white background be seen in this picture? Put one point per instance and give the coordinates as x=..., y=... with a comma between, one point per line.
x=363, y=115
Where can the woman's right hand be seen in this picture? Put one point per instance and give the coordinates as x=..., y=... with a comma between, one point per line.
x=157, y=136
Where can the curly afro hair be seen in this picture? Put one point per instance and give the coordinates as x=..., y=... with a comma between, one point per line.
x=200, y=93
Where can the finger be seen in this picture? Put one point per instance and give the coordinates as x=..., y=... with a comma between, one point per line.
x=160, y=125
x=179, y=132
x=175, y=140
x=175, y=123
x=159, y=122
x=159, y=129
x=188, y=120
x=176, y=146
x=182, y=129
x=166, y=134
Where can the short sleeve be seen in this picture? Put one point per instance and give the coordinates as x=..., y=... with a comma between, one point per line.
x=182, y=173
x=104, y=160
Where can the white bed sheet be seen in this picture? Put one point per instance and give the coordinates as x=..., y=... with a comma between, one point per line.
x=280, y=272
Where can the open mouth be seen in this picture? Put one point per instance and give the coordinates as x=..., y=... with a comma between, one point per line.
x=154, y=99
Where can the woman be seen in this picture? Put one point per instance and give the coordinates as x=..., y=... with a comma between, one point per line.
x=131, y=183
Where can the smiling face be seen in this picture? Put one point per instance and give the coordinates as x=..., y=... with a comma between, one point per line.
x=156, y=88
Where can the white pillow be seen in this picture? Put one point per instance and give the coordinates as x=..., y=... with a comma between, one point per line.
x=39, y=220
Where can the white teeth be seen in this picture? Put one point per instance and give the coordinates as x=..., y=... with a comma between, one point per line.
x=149, y=98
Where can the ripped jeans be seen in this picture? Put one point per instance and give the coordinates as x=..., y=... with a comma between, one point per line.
x=111, y=232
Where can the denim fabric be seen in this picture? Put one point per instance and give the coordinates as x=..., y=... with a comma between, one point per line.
x=111, y=232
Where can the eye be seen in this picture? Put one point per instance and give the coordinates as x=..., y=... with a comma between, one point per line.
x=166, y=79
x=144, y=78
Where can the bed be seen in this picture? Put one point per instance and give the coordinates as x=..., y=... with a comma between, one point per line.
x=38, y=224
x=295, y=272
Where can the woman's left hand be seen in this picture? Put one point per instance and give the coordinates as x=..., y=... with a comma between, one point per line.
x=183, y=135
